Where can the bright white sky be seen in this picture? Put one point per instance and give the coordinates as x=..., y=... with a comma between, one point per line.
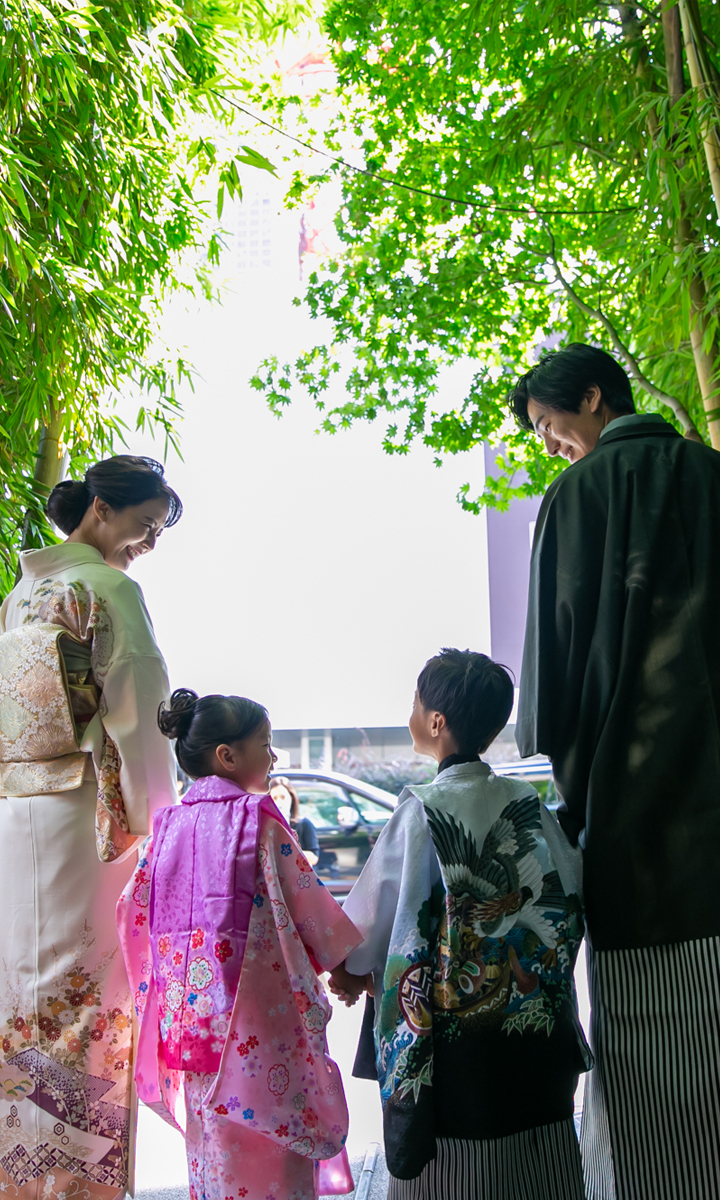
x=311, y=572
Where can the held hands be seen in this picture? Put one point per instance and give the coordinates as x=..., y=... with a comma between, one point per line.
x=348, y=988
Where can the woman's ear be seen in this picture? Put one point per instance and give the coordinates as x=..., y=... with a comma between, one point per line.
x=101, y=509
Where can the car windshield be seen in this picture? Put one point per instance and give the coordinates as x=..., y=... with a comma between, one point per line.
x=319, y=802
x=370, y=809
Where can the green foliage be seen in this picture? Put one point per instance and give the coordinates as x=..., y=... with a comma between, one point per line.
x=114, y=138
x=507, y=149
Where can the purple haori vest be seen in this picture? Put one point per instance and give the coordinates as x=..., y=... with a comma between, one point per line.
x=202, y=884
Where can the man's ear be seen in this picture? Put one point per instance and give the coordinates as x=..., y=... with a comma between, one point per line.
x=594, y=398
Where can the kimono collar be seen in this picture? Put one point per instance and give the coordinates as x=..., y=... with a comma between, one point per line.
x=213, y=787
x=457, y=760
x=38, y=564
x=634, y=425
x=463, y=769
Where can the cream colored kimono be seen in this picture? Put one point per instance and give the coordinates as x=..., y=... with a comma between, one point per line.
x=66, y=1097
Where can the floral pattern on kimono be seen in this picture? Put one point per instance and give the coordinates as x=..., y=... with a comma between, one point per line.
x=67, y=1105
x=105, y=609
x=275, y=1081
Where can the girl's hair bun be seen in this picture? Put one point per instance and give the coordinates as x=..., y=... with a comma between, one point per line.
x=176, y=718
x=67, y=504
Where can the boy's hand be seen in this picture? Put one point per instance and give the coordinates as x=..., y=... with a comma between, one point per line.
x=348, y=988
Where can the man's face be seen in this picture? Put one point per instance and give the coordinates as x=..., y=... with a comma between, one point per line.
x=570, y=434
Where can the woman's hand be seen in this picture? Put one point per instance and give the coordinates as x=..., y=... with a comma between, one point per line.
x=348, y=988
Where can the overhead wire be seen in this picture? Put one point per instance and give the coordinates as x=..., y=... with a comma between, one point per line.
x=526, y=210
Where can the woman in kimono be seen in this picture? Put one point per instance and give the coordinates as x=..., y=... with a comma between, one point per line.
x=82, y=763
x=225, y=928
x=469, y=906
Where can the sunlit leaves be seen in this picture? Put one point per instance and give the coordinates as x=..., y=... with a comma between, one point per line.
x=113, y=131
x=541, y=113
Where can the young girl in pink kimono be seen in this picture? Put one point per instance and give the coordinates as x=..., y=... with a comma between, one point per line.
x=225, y=929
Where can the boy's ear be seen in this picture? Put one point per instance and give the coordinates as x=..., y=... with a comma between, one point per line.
x=438, y=724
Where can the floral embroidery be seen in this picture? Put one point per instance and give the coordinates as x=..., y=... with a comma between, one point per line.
x=286, y=849
x=164, y=946
x=280, y=913
x=200, y=973
x=174, y=993
x=304, y=880
x=197, y=939
x=223, y=950
x=278, y=1080
x=248, y=1114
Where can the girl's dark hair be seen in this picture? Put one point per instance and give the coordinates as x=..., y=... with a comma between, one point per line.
x=561, y=378
x=283, y=781
x=474, y=694
x=121, y=481
x=200, y=725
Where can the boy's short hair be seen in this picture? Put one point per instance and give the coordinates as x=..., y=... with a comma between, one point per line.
x=474, y=694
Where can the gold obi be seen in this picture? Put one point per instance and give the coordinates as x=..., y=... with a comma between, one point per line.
x=44, y=708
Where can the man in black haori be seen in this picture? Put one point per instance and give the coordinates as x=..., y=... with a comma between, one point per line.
x=621, y=689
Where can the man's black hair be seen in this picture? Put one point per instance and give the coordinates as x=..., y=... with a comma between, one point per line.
x=474, y=694
x=561, y=378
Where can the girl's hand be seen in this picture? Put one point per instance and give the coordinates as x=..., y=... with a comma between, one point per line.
x=348, y=988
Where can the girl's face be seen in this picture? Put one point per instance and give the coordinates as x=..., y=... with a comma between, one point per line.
x=250, y=761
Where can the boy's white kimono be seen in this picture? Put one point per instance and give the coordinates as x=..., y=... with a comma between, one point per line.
x=471, y=913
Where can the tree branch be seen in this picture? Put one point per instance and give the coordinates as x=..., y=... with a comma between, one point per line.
x=672, y=402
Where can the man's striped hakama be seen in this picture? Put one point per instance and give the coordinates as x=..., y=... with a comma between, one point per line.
x=651, y=1118
x=541, y=1164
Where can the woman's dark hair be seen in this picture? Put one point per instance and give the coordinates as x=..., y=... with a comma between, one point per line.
x=283, y=781
x=121, y=481
x=200, y=725
x=561, y=378
x=474, y=694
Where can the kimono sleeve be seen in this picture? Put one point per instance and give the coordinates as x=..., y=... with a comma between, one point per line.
x=133, y=690
x=563, y=701
x=276, y=1077
x=132, y=674
x=398, y=876
x=327, y=933
x=158, y=1087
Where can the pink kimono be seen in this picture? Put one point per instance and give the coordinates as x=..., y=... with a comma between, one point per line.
x=224, y=928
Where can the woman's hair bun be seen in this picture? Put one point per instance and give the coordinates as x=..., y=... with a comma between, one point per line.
x=68, y=503
x=176, y=717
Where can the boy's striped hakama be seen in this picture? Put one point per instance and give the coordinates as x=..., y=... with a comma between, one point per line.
x=651, y=1120
x=540, y=1164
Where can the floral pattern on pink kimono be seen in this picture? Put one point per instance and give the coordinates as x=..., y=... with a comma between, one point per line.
x=258, y=1127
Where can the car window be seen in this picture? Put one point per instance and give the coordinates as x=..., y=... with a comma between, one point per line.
x=370, y=809
x=319, y=802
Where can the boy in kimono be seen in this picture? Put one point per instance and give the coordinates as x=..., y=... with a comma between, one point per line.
x=471, y=913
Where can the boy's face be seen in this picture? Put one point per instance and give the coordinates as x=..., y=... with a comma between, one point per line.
x=429, y=731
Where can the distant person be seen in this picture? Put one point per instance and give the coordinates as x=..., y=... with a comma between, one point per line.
x=288, y=801
x=471, y=913
x=621, y=689
x=226, y=908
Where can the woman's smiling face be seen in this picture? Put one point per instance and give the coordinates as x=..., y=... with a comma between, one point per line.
x=123, y=534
